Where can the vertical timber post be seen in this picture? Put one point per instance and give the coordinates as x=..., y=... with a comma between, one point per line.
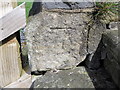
x=10, y=60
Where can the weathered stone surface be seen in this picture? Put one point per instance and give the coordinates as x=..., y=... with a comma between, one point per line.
x=113, y=68
x=111, y=42
x=101, y=78
x=111, y=38
x=59, y=40
x=74, y=78
x=113, y=25
x=94, y=60
x=112, y=61
x=109, y=45
x=73, y=5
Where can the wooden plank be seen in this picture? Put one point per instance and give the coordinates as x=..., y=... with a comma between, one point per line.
x=22, y=83
x=25, y=81
x=6, y=7
x=12, y=22
x=10, y=61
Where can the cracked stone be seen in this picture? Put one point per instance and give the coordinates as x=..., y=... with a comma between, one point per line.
x=59, y=41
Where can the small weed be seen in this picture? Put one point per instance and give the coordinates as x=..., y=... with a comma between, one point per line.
x=104, y=13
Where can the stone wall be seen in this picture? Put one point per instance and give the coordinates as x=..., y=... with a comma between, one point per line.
x=58, y=40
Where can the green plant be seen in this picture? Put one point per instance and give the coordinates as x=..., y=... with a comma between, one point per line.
x=28, y=6
x=104, y=12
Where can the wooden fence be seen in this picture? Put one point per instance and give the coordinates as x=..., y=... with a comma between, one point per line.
x=12, y=19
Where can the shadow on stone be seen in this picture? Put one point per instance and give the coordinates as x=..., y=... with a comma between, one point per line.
x=36, y=8
x=101, y=79
x=98, y=74
x=38, y=72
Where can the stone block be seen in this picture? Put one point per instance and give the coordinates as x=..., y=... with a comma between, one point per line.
x=112, y=61
x=73, y=78
x=59, y=40
x=64, y=5
x=111, y=42
x=113, y=68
